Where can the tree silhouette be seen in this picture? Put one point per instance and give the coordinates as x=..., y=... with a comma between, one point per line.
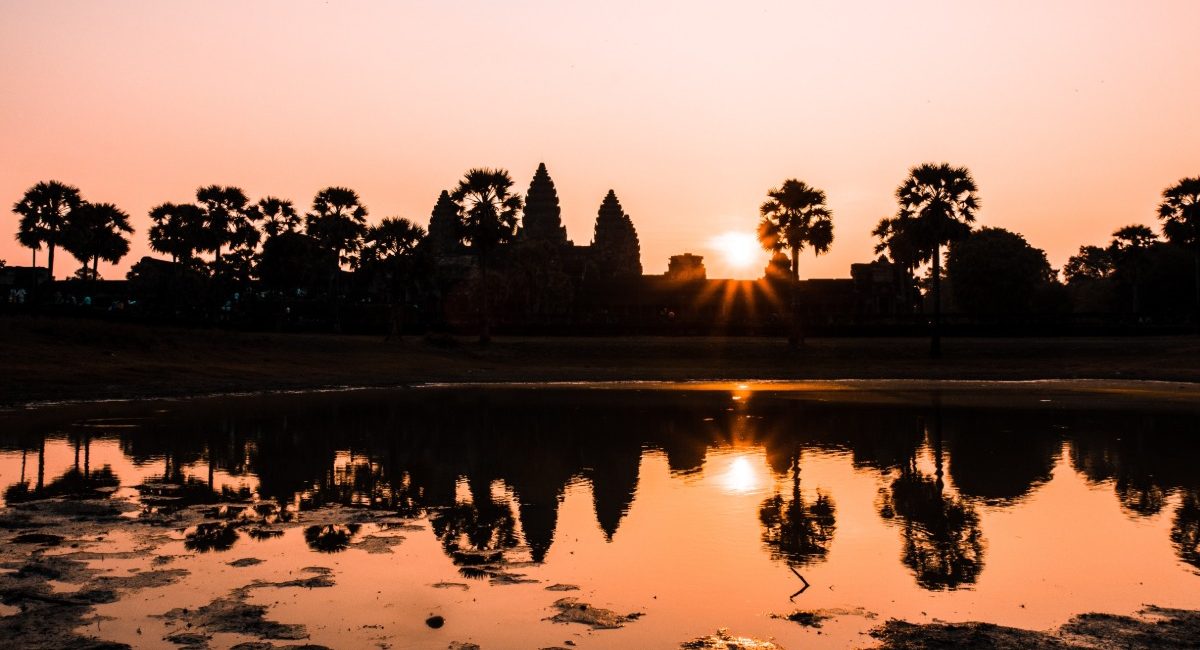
x=1129, y=250
x=795, y=531
x=44, y=210
x=96, y=231
x=937, y=205
x=616, y=251
x=1092, y=263
x=542, y=221
x=338, y=221
x=178, y=231
x=778, y=267
x=290, y=261
x=278, y=216
x=390, y=255
x=228, y=220
x=445, y=226
x=897, y=240
x=996, y=271
x=1180, y=213
x=489, y=218
x=31, y=236
x=795, y=217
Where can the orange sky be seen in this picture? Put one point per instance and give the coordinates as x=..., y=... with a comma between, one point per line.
x=1073, y=116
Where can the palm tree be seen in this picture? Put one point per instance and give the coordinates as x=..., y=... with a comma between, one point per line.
x=44, y=210
x=338, y=221
x=278, y=215
x=228, y=219
x=793, y=218
x=30, y=235
x=390, y=256
x=1180, y=213
x=393, y=238
x=937, y=205
x=489, y=212
x=178, y=231
x=1129, y=248
x=97, y=231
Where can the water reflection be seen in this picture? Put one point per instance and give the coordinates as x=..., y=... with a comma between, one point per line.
x=491, y=467
x=1185, y=532
x=795, y=530
x=943, y=544
x=476, y=531
x=741, y=476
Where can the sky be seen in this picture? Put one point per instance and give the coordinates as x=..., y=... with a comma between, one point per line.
x=1072, y=116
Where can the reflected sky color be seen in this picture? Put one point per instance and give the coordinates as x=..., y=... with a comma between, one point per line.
x=1072, y=114
x=688, y=509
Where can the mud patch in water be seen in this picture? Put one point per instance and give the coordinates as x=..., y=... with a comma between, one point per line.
x=572, y=610
x=234, y=615
x=723, y=640
x=1151, y=628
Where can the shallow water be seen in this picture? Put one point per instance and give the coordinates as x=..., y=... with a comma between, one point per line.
x=698, y=509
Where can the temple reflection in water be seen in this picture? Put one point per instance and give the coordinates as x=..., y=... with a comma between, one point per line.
x=490, y=467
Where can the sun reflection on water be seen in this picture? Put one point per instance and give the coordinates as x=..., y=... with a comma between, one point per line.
x=741, y=476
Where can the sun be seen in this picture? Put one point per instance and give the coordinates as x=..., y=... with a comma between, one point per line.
x=740, y=250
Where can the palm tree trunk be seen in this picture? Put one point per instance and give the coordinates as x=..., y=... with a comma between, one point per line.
x=33, y=289
x=1196, y=316
x=50, y=260
x=935, y=341
x=485, y=335
x=794, y=336
x=334, y=297
x=937, y=441
x=95, y=268
x=795, y=473
x=41, y=471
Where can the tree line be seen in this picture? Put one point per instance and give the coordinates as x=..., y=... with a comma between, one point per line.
x=224, y=244
x=992, y=269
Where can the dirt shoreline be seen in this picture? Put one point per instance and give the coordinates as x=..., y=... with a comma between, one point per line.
x=55, y=360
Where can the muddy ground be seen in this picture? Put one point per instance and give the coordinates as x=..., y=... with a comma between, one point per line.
x=61, y=359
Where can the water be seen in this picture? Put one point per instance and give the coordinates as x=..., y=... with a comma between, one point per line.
x=701, y=508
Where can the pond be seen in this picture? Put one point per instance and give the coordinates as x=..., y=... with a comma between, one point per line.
x=592, y=516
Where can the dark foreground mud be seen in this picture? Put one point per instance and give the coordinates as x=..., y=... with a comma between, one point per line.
x=1152, y=627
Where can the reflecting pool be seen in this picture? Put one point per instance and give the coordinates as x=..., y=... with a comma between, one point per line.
x=355, y=519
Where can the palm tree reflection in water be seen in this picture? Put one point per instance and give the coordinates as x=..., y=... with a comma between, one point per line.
x=795, y=531
x=943, y=543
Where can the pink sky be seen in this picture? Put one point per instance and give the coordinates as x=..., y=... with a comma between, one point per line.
x=1073, y=116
